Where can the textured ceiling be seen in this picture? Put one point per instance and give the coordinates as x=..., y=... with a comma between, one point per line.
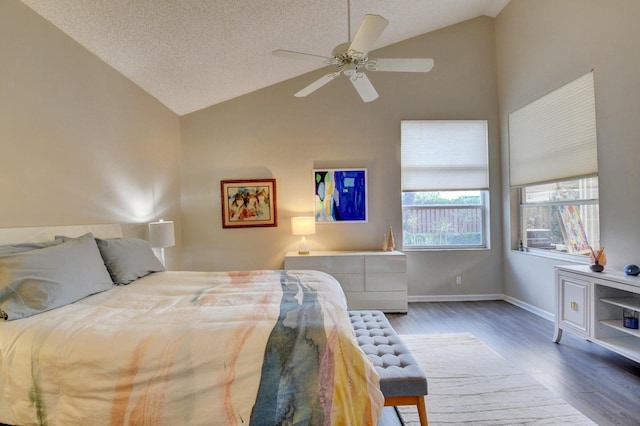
x=190, y=54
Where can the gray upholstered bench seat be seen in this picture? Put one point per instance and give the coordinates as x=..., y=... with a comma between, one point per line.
x=402, y=381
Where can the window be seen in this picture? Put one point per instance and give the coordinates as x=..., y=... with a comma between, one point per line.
x=443, y=219
x=553, y=162
x=561, y=216
x=445, y=183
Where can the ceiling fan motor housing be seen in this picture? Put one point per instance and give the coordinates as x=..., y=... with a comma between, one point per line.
x=344, y=56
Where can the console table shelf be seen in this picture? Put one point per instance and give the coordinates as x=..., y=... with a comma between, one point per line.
x=617, y=325
x=632, y=303
x=591, y=304
x=628, y=347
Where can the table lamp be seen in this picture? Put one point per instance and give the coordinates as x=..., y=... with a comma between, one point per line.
x=303, y=225
x=161, y=235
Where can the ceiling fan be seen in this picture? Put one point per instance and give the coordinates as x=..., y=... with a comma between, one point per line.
x=351, y=59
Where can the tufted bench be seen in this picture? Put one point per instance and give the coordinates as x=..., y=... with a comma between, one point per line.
x=402, y=382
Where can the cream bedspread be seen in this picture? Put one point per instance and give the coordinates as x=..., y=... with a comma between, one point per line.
x=192, y=348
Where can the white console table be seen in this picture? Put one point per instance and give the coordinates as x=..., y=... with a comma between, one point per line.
x=374, y=280
x=590, y=305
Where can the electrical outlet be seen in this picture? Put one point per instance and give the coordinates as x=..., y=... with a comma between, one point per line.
x=458, y=280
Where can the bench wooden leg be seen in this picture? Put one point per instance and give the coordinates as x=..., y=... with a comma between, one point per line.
x=422, y=411
x=418, y=401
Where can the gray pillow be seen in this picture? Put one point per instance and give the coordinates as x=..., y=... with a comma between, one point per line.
x=39, y=280
x=128, y=259
x=64, y=238
x=20, y=248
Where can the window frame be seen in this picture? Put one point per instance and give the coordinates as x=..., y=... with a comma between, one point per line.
x=444, y=156
x=483, y=207
x=522, y=231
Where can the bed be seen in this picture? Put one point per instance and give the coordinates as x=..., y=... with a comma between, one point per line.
x=174, y=347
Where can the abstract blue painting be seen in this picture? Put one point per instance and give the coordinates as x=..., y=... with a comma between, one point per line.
x=340, y=195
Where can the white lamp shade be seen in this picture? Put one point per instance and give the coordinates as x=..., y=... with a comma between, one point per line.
x=161, y=234
x=303, y=225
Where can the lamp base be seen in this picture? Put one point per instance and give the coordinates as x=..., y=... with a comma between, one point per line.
x=159, y=252
x=303, y=248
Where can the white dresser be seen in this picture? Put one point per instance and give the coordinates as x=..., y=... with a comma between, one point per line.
x=370, y=279
x=591, y=305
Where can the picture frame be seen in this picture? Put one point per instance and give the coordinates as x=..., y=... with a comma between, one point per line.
x=248, y=203
x=340, y=195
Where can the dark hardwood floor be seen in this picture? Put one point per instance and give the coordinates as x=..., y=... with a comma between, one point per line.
x=601, y=384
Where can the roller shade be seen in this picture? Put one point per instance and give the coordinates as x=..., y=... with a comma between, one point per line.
x=554, y=138
x=444, y=155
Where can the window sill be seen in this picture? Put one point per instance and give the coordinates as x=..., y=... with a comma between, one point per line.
x=549, y=255
x=406, y=249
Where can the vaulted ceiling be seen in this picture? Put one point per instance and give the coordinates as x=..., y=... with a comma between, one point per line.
x=190, y=54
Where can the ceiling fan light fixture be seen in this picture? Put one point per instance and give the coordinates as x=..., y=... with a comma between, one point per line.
x=350, y=70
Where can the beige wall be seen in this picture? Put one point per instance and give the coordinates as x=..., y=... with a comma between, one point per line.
x=82, y=144
x=541, y=45
x=272, y=134
x=79, y=143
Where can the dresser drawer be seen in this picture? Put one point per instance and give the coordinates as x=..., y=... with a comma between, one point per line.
x=329, y=264
x=385, y=263
x=386, y=301
x=386, y=281
x=350, y=282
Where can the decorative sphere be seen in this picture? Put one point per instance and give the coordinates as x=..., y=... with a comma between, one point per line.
x=632, y=269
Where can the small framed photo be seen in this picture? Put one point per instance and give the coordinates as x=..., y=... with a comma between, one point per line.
x=248, y=203
x=340, y=195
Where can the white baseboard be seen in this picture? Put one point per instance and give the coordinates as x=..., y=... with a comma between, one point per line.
x=480, y=297
x=456, y=298
x=527, y=307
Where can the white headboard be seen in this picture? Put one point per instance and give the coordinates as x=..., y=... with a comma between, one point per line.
x=47, y=233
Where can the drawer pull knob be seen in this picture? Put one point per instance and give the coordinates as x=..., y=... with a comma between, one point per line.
x=574, y=306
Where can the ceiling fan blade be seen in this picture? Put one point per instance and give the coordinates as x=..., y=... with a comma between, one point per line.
x=317, y=84
x=305, y=56
x=364, y=87
x=370, y=30
x=400, y=64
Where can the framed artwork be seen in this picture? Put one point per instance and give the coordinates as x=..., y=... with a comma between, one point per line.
x=248, y=203
x=340, y=195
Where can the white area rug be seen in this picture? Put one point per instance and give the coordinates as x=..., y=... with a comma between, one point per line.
x=469, y=383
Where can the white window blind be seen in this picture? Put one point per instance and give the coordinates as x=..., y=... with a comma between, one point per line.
x=554, y=138
x=439, y=155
